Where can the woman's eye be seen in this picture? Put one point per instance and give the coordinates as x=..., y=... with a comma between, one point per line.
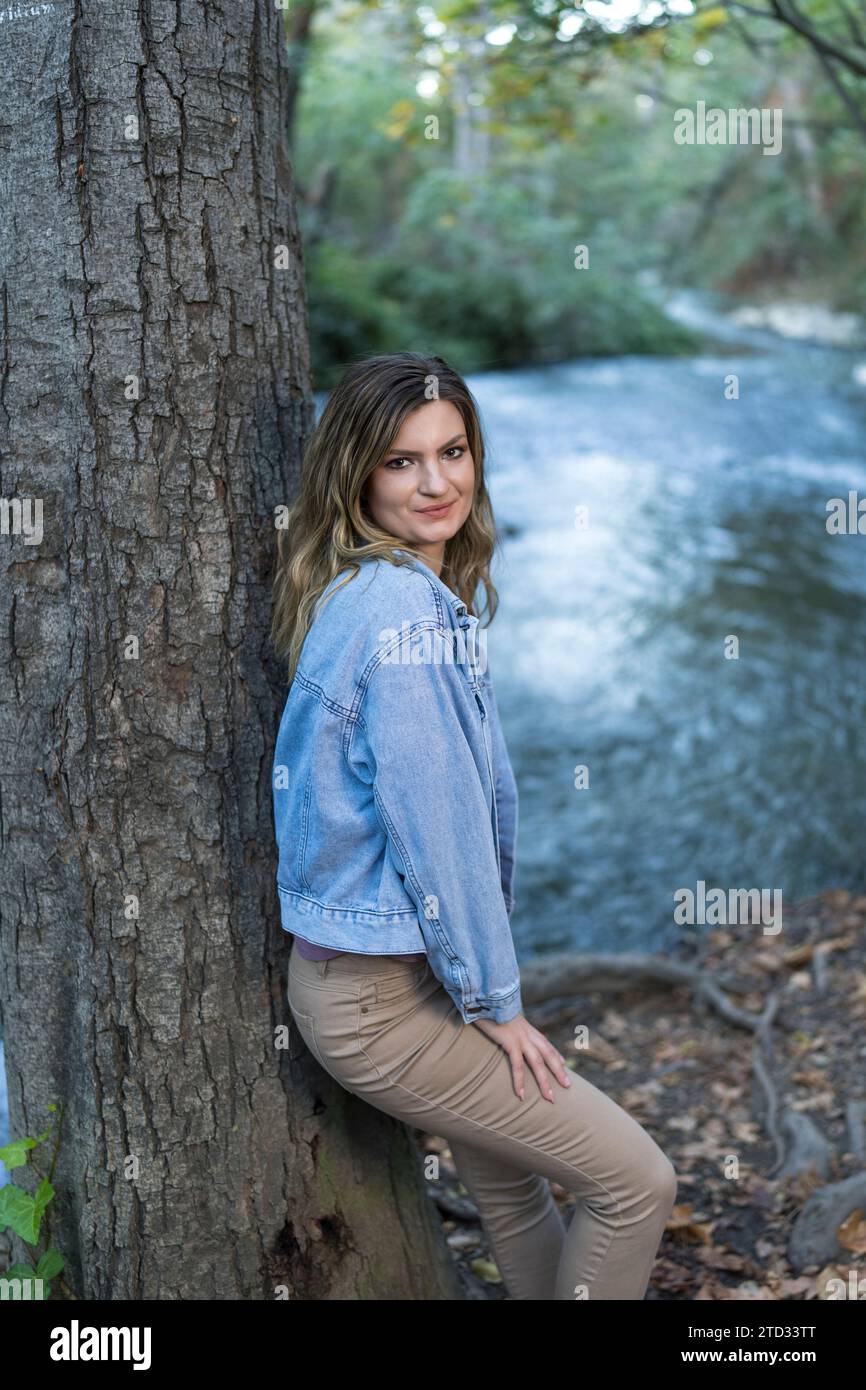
x=456, y=450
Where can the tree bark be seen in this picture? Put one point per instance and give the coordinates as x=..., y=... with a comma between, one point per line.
x=155, y=396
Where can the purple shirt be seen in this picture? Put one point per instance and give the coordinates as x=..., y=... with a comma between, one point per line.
x=311, y=952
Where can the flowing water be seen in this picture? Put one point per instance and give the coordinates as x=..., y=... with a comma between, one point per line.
x=706, y=518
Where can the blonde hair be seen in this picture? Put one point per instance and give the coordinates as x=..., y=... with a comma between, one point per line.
x=328, y=525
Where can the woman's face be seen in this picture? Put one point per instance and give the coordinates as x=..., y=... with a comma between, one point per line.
x=428, y=466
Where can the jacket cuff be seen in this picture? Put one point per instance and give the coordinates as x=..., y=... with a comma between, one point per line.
x=501, y=1010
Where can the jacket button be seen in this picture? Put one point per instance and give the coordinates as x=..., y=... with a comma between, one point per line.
x=364, y=1008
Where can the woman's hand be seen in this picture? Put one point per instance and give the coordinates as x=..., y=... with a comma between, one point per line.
x=520, y=1040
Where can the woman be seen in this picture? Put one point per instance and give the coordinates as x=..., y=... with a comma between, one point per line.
x=396, y=814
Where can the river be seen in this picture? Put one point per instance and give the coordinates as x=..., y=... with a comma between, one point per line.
x=707, y=517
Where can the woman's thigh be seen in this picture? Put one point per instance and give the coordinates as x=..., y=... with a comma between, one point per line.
x=396, y=1040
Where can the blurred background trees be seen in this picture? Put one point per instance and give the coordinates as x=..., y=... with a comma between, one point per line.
x=451, y=158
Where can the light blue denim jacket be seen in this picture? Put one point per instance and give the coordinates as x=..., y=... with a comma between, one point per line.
x=395, y=804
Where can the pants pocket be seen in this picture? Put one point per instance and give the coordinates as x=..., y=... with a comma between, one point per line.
x=386, y=1027
x=395, y=988
x=306, y=1026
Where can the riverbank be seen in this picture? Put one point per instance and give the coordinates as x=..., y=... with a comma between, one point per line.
x=741, y=1229
x=805, y=322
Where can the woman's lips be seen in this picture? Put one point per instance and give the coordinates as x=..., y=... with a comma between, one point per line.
x=436, y=511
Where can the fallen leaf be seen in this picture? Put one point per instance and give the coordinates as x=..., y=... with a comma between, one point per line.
x=682, y=1223
x=486, y=1270
x=851, y=1235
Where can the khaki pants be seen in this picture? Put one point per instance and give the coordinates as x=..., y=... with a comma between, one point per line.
x=388, y=1032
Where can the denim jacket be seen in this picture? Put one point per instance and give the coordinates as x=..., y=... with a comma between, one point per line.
x=395, y=804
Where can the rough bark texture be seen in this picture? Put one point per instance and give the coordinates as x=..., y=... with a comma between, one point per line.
x=155, y=394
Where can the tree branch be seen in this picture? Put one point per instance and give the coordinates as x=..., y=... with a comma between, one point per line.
x=842, y=91
x=790, y=15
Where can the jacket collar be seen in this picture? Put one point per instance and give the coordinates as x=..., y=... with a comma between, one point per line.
x=455, y=601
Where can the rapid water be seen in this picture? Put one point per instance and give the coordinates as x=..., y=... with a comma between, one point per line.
x=706, y=517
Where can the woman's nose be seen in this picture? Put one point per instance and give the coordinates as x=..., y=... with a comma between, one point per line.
x=431, y=478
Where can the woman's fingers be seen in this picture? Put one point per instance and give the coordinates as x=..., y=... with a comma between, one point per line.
x=542, y=1058
x=516, y=1059
x=556, y=1062
x=539, y=1071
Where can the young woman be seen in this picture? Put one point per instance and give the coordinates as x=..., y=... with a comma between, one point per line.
x=395, y=809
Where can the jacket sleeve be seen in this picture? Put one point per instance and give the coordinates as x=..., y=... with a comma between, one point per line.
x=418, y=739
x=506, y=800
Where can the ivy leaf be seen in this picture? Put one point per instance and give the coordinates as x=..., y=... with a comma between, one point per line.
x=22, y=1212
x=14, y=1154
x=16, y=1211
x=50, y=1264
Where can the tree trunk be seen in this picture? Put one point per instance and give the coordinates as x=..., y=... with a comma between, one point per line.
x=155, y=396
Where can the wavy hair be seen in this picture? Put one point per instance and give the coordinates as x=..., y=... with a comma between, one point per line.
x=328, y=527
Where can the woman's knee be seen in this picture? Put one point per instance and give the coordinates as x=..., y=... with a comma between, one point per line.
x=662, y=1178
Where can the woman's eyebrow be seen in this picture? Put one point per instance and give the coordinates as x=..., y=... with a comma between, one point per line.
x=415, y=454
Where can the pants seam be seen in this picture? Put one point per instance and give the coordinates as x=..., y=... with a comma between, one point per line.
x=534, y=1148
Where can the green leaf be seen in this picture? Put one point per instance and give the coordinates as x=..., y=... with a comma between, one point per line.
x=22, y=1212
x=44, y=1193
x=17, y=1211
x=14, y=1154
x=50, y=1264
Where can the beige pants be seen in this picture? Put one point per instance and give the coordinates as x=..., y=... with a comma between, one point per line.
x=388, y=1032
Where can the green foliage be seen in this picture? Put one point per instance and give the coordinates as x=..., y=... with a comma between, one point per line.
x=476, y=276
x=23, y=1213
x=463, y=243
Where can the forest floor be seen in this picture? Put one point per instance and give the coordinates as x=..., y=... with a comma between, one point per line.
x=688, y=1077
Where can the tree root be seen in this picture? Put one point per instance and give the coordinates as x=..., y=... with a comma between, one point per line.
x=800, y=1147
